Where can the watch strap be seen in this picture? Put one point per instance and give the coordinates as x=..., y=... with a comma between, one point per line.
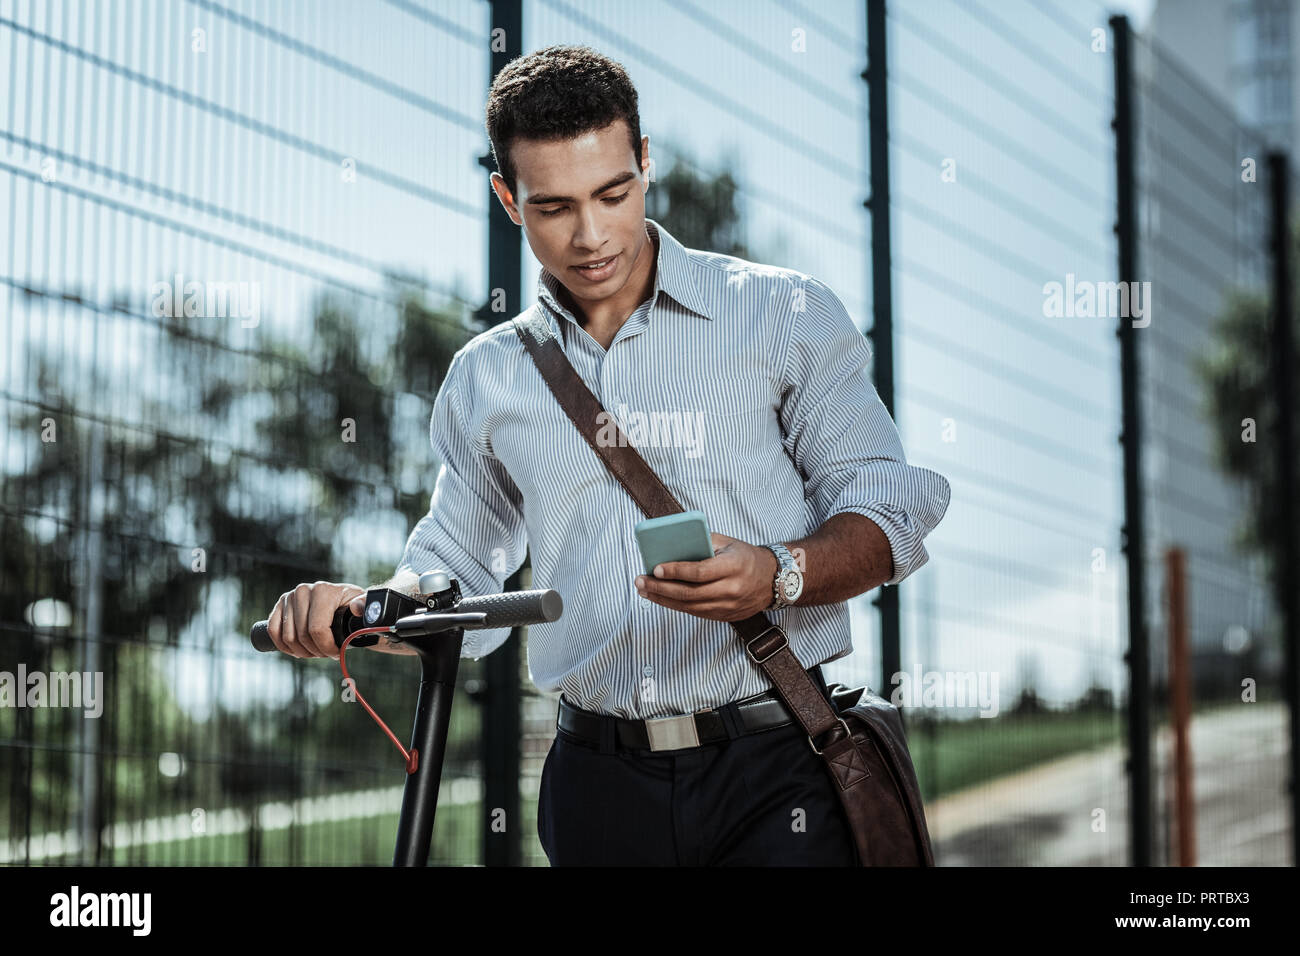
x=784, y=563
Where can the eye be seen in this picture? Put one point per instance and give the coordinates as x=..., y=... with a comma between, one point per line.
x=612, y=200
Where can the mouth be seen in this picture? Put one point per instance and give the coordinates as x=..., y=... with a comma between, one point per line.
x=601, y=270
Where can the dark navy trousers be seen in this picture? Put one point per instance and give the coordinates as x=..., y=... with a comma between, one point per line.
x=762, y=799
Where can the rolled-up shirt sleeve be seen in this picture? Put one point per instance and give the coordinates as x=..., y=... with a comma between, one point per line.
x=841, y=437
x=475, y=527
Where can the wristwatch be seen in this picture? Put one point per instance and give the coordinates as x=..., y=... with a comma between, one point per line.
x=788, y=584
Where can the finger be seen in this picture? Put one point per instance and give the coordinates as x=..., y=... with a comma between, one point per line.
x=686, y=591
x=709, y=569
x=288, y=630
x=358, y=605
x=721, y=541
x=320, y=620
x=273, y=625
x=302, y=618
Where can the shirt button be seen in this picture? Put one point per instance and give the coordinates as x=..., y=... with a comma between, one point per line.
x=647, y=670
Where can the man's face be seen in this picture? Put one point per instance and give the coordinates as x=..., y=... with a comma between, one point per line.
x=582, y=200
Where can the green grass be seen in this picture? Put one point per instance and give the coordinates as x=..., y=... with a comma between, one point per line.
x=959, y=754
x=359, y=841
x=953, y=755
x=948, y=755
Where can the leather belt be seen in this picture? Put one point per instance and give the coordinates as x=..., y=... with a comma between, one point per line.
x=611, y=734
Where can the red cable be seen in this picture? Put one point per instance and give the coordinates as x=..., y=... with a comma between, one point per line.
x=412, y=757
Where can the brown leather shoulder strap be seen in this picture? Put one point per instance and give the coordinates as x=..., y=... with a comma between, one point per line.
x=584, y=409
x=765, y=643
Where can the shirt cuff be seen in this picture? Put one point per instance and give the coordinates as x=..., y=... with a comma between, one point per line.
x=906, y=546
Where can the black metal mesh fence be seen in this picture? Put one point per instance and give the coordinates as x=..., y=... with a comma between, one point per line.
x=1210, y=451
x=241, y=241
x=1003, y=191
x=221, y=344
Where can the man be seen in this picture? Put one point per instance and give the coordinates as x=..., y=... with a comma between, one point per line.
x=787, y=445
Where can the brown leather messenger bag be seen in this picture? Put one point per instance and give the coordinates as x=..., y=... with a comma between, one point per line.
x=862, y=745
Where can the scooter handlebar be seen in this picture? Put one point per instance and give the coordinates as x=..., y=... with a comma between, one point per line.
x=511, y=609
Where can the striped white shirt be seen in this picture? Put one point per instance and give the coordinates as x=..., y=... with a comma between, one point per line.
x=746, y=387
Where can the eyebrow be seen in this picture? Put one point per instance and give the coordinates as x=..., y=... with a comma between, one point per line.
x=618, y=180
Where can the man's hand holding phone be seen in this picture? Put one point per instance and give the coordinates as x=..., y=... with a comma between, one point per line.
x=733, y=584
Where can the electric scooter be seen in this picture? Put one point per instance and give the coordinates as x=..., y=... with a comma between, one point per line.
x=433, y=624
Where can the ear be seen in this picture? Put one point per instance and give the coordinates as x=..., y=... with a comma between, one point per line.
x=506, y=197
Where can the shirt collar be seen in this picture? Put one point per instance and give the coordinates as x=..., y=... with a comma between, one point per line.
x=674, y=274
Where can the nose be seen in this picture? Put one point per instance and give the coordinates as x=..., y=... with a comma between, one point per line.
x=590, y=236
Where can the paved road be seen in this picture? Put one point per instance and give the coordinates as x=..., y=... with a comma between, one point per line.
x=1045, y=816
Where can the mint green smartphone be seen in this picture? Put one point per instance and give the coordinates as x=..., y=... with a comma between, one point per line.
x=680, y=537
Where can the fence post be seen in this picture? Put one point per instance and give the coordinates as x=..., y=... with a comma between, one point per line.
x=91, y=585
x=882, y=327
x=1180, y=699
x=501, y=720
x=1279, y=169
x=1132, y=534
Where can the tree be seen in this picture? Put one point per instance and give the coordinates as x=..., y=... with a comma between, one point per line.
x=1242, y=410
x=233, y=470
x=700, y=212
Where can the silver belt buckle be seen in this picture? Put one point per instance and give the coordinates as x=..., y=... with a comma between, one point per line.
x=672, y=733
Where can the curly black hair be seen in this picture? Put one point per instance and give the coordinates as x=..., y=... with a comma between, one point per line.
x=558, y=93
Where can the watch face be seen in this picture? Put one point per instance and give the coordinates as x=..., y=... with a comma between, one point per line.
x=791, y=586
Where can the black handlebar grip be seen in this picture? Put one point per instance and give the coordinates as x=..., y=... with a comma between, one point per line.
x=513, y=609
x=261, y=637
x=344, y=623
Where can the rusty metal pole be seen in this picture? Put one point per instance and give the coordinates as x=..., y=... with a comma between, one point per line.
x=1180, y=699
